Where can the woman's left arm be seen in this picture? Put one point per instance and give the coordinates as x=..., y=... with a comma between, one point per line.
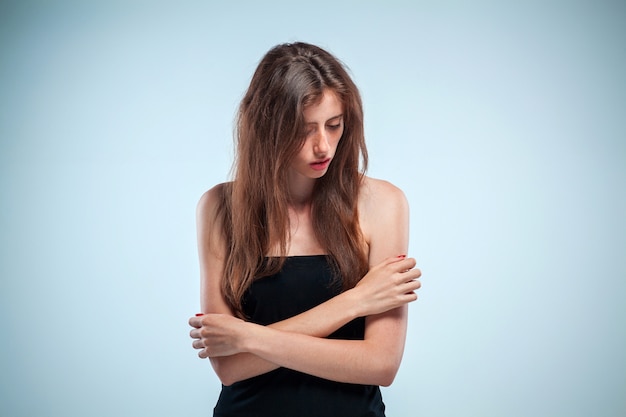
x=374, y=360
x=386, y=224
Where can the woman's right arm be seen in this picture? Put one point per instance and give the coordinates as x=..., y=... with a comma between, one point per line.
x=375, y=293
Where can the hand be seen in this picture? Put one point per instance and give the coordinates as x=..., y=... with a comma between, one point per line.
x=388, y=285
x=216, y=334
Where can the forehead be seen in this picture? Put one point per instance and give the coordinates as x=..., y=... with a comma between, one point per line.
x=329, y=106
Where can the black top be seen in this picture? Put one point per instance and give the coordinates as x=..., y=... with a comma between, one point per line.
x=303, y=283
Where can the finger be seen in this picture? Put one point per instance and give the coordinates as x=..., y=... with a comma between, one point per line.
x=195, y=322
x=411, y=296
x=393, y=259
x=195, y=334
x=402, y=277
x=198, y=344
x=401, y=264
x=407, y=263
x=411, y=286
x=414, y=273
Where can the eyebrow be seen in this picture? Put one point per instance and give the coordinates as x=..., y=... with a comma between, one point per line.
x=330, y=119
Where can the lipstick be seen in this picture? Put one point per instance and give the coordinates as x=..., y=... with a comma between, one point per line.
x=320, y=165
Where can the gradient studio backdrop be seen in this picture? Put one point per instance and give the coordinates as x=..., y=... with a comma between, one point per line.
x=504, y=122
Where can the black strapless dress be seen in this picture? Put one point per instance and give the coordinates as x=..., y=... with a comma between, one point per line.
x=303, y=283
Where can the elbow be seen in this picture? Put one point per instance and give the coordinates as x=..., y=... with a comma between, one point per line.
x=384, y=364
x=387, y=377
x=389, y=368
x=386, y=373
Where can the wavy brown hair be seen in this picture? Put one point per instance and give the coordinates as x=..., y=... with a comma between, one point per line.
x=270, y=132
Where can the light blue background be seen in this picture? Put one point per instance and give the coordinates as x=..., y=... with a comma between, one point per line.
x=503, y=122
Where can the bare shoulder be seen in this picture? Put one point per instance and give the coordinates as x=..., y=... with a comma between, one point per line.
x=210, y=201
x=208, y=220
x=380, y=196
x=212, y=196
x=383, y=217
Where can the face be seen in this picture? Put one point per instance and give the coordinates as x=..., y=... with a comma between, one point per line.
x=324, y=127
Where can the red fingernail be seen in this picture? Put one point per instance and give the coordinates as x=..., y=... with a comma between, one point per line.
x=401, y=256
x=199, y=314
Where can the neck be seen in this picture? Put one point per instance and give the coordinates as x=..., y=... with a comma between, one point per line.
x=301, y=192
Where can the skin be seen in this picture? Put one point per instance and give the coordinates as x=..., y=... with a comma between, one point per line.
x=239, y=350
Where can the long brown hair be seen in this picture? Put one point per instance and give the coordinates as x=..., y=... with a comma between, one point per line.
x=270, y=132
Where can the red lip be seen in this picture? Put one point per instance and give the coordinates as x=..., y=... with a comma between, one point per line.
x=320, y=165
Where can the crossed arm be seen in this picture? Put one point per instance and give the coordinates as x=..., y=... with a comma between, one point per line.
x=239, y=350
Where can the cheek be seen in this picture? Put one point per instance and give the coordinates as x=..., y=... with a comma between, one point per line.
x=300, y=158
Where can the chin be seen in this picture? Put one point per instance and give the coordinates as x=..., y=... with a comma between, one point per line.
x=318, y=174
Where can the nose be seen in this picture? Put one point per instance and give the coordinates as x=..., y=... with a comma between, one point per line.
x=320, y=145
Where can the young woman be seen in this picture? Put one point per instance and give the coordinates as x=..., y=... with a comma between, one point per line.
x=304, y=281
